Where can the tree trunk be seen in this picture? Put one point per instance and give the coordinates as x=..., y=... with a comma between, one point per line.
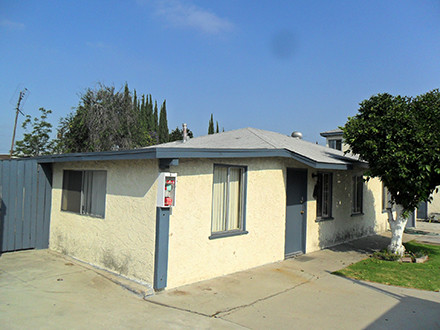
x=397, y=227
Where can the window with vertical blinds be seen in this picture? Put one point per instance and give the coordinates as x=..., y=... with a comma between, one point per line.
x=358, y=194
x=84, y=192
x=228, y=199
x=323, y=195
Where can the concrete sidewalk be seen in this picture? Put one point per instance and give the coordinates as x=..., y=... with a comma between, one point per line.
x=42, y=289
x=302, y=293
x=426, y=232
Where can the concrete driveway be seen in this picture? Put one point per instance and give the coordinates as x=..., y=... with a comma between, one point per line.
x=42, y=289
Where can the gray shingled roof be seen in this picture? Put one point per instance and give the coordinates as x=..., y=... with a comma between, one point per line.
x=247, y=139
x=241, y=143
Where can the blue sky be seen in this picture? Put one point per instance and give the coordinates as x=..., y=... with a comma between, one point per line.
x=275, y=65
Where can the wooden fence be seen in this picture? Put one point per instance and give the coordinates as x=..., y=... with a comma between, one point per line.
x=25, y=196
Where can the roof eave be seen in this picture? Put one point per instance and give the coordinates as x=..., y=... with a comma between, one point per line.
x=332, y=134
x=96, y=156
x=176, y=153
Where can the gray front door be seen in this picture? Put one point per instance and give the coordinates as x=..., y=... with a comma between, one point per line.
x=296, y=211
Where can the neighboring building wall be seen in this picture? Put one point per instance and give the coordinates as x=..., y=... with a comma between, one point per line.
x=192, y=255
x=124, y=240
x=434, y=206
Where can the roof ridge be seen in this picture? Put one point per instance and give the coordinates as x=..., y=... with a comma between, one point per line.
x=251, y=129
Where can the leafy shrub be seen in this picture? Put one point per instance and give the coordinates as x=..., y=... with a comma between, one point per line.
x=385, y=255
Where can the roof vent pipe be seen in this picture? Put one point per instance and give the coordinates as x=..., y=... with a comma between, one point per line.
x=297, y=135
x=185, y=133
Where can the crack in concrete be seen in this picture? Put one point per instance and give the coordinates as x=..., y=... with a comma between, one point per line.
x=175, y=307
x=225, y=312
x=191, y=311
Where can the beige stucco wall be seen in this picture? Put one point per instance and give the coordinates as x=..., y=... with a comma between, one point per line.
x=343, y=226
x=192, y=255
x=124, y=240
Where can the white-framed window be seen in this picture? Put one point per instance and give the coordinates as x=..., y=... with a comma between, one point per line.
x=323, y=195
x=228, y=200
x=84, y=192
x=335, y=144
x=358, y=194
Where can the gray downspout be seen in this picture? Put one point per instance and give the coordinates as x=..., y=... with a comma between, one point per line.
x=161, y=248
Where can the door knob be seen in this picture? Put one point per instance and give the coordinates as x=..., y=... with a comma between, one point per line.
x=302, y=212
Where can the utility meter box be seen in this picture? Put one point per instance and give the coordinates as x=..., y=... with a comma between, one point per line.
x=166, y=189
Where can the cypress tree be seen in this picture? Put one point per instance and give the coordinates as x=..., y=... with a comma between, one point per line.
x=135, y=101
x=211, y=125
x=126, y=114
x=216, y=129
x=142, y=111
x=163, y=132
x=142, y=115
x=155, y=116
x=150, y=115
x=127, y=98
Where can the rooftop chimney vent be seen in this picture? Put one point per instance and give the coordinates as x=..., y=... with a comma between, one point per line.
x=185, y=133
x=297, y=135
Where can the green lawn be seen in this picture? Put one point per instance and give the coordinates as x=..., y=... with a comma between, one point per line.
x=424, y=276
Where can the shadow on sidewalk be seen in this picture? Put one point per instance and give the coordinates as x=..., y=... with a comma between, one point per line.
x=368, y=244
x=410, y=312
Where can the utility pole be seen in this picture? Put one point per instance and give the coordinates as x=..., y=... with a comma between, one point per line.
x=20, y=98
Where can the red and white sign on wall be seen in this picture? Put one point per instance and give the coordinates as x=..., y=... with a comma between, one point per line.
x=166, y=189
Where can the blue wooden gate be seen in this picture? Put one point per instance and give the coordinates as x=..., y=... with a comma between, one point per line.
x=25, y=196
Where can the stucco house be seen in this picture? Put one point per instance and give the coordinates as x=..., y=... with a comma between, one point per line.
x=241, y=199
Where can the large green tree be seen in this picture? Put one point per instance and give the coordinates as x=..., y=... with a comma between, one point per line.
x=399, y=137
x=36, y=139
x=105, y=119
